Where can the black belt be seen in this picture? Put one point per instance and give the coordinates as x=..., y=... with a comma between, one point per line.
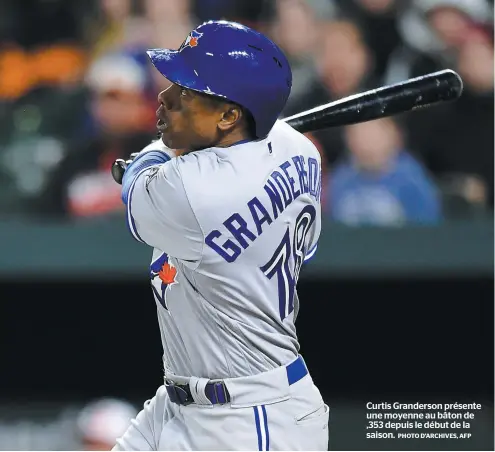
x=217, y=393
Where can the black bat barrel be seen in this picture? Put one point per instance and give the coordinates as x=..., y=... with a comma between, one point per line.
x=427, y=90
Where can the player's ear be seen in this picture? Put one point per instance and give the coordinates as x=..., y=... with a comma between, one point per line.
x=230, y=117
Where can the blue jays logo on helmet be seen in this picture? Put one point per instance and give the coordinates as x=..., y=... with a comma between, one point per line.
x=163, y=276
x=191, y=40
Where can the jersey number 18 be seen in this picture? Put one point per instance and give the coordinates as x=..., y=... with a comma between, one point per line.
x=288, y=258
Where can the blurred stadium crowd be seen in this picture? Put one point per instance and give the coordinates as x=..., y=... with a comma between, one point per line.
x=76, y=92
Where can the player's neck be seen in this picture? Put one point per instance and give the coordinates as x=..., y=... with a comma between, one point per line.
x=232, y=138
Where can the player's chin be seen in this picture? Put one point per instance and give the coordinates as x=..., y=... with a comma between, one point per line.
x=169, y=140
x=176, y=141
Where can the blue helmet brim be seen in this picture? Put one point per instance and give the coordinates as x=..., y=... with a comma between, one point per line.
x=173, y=66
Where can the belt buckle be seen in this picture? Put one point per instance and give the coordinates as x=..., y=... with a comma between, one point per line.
x=177, y=392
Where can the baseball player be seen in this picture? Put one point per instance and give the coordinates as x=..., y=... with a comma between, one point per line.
x=231, y=222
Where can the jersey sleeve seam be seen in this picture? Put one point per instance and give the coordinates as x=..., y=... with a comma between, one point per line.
x=195, y=217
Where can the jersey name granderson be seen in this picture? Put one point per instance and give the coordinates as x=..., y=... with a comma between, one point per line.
x=295, y=177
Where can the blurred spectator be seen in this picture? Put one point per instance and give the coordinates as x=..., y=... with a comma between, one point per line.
x=43, y=59
x=378, y=21
x=43, y=45
x=455, y=138
x=431, y=31
x=21, y=71
x=117, y=27
x=465, y=196
x=171, y=21
x=295, y=29
x=380, y=183
x=124, y=117
x=344, y=66
x=101, y=422
x=34, y=132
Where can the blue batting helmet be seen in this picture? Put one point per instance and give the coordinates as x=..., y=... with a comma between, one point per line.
x=232, y=61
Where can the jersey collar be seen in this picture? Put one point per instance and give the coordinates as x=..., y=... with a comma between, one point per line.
x=237, y=143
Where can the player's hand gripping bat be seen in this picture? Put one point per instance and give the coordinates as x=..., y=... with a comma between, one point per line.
x=419, y=92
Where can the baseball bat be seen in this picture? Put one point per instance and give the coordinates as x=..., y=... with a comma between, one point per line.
x=424, y=91
x=420, y=92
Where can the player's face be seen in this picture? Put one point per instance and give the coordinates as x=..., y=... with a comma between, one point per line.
x=186, y=120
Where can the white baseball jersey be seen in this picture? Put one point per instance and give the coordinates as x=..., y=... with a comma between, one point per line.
x=231, y=228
